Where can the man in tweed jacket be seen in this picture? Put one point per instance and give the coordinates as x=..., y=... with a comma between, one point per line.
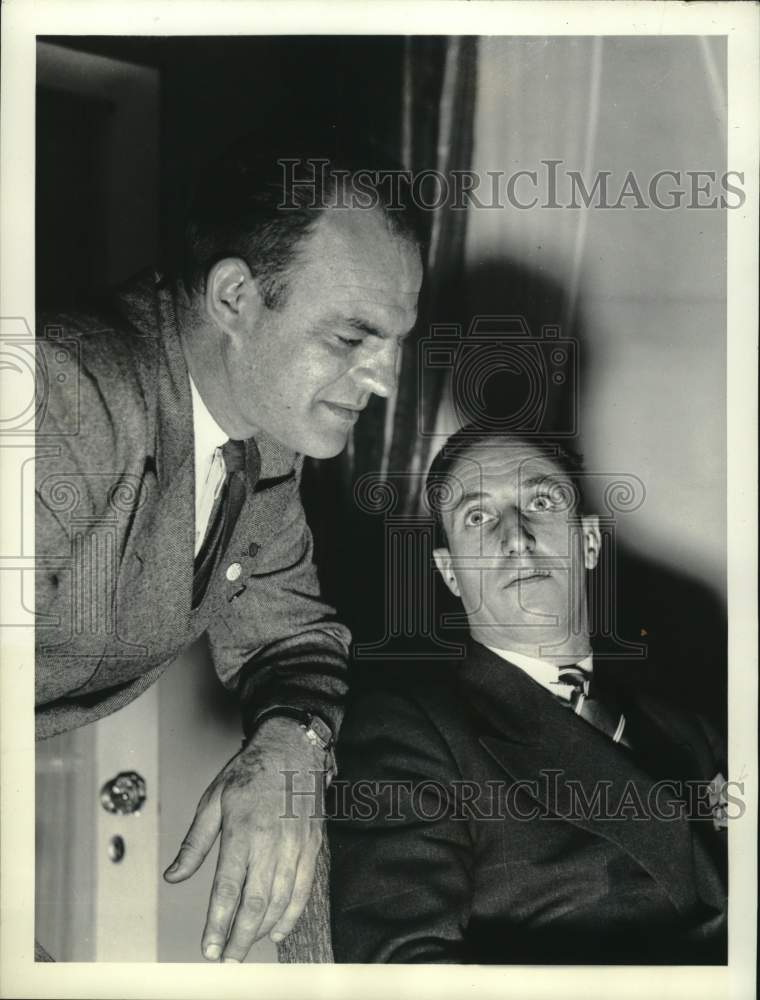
x=286, y=317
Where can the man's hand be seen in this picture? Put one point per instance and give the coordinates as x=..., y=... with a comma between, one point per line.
x=269, y=844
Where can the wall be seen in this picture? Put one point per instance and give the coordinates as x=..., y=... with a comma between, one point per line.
x=643, y=289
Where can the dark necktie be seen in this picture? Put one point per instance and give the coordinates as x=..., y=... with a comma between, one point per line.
x=223, y=517
x=576, y=693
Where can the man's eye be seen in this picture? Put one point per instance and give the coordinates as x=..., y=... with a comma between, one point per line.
x=541, y=503
x=477, y=518
x=350, y=341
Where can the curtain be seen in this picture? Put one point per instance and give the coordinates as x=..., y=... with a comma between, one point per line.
x=387, y=455
x=374, y=554
x=449, y=149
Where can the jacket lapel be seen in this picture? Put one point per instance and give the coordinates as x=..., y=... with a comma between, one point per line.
x=155, y=582
x=535, y=739
x=272, y=472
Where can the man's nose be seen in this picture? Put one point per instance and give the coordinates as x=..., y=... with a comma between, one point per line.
x=516, y=538
x=378, y=374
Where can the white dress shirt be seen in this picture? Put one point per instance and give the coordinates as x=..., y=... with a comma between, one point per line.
x=544, y=673
x=208, y=438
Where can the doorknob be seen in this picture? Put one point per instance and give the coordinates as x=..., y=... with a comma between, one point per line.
x=123, y=794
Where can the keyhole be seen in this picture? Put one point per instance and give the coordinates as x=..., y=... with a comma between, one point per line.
x=116, y=849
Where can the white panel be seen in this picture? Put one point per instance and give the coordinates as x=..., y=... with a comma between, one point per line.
x=65, y=837
x=127, y=892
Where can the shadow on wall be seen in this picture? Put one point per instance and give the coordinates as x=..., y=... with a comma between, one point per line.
x=683, y=625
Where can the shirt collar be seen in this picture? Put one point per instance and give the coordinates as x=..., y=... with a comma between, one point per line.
x=543, y=672
x=207, y=434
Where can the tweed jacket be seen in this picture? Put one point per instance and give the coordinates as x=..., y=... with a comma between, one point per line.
x=481, y=821
x=115, y=534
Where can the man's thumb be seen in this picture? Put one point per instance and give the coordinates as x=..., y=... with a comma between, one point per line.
x=198, y=841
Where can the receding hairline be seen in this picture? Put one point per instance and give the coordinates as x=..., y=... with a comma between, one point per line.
x=358, y=259
x=244, y=199
x=329, y=216
x=513, y=444
x=566, y=463
x=320, y=223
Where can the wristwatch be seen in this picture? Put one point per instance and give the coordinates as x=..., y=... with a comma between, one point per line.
x=316, y=730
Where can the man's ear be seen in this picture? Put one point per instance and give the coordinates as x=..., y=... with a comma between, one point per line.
x=442, y=558
x=232, y=298
x=592, y=540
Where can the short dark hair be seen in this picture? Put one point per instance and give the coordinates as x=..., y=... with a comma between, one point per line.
x=258, y=202
x=472, y=436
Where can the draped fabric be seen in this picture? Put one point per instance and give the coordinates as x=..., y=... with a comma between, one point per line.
x=421, y=386
x=438, y=104
x=388, y=444
x=386, y=447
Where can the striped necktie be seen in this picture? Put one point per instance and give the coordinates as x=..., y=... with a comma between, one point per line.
x=223, y=517
x=573, y=688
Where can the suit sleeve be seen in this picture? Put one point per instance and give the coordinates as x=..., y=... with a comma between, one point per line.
x=401, y=859
x=280, y=644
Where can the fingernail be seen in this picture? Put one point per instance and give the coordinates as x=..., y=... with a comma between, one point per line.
x=212, y=952
x=276, y=936
x=235, y=961
x=172, y=868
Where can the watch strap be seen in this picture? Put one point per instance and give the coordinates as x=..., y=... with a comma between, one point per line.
x=323, y=734
x=316, y=730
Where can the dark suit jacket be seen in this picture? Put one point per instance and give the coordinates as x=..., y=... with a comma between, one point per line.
x=115, y=534
x=488, y=854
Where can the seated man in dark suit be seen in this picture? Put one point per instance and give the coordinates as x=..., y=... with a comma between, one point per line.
x=513, y=807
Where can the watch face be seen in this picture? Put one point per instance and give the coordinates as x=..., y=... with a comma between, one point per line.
x=321, y=730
